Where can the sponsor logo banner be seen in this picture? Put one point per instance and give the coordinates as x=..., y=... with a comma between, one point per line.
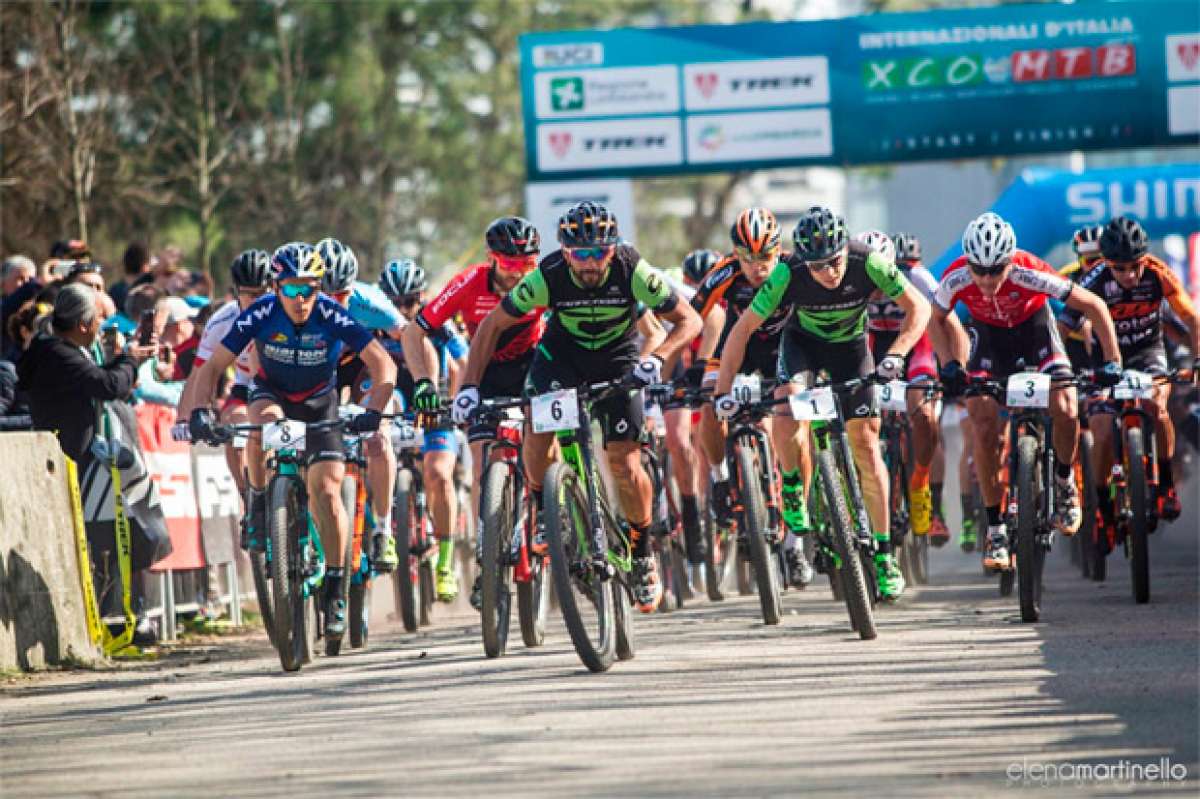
x=756, y=84
x=762, y=136
x=571, y=146
x=607, y=92
x=1183, y=57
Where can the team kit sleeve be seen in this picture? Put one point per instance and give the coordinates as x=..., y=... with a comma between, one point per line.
x=1173, y=291
x=650, y=287
x=773, y=290
x=925, y=282
x=886, y=275
x=372, y=309
x=446, y=304
x=532, y=292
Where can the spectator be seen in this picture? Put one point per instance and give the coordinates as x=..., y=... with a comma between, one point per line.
x=62, y=379
x=90, y=273
x=16, y=271
x=138, y=272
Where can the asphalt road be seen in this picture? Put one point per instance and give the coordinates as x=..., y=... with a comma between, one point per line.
x=955, y=696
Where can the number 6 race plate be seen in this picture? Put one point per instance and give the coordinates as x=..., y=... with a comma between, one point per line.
x=1028, y=390
x=558, y=410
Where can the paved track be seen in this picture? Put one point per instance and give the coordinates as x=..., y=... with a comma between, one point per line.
x=954, y=696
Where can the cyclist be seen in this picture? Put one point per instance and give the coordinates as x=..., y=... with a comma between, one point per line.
x=734, y=281
x=251, y=276
x=593, y=286
x=513, y=245
x=1086, y=245
x=884, y=320
x=298, y=334
x=371, y=308
x=828, y=281
x=1134, y=285
x=1005, y=291
x=404, y=282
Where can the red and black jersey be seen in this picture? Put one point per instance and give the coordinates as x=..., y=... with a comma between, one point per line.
x=727, y=285
x=472, y=294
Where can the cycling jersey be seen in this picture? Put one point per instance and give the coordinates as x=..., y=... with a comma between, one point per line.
x=473, y=294
x=837, y=314
x=884, y=313
x=372, y=309
x=592, y=318
x=1137, y=312
x=726, y=283
x=219, y=325
x=296, y=361
x=1030, y=282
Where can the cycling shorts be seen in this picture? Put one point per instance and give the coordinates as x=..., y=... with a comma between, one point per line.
x=319, y=445
x=238, y=398
x=997, y=352
x=500, y=379
x=558, y=365
x=802, y=358
x=920, y=363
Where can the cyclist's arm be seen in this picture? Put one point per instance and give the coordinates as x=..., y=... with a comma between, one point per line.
x=916, y=319
x=710, y=334
x=949, y=339
x=419, y=353
x=652, y=330
x=483, y=343
x=1094, y=309
x=1179, y=301
x=735, y=346
x=382, y=370
x=206, y=379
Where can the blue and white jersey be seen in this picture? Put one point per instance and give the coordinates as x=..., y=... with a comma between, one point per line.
x=372, y=309
x=297, y=361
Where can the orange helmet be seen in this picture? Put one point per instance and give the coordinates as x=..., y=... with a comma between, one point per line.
x=756, y=230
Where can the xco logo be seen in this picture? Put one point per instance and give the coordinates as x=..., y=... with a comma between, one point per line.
x=706, y=83
x=566, y=94
x=560, y=143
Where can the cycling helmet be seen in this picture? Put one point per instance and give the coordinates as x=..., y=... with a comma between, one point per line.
x=757, y=230
x=697, y=263
x=251, y=269
x=341, y=265
x=588, y=223
x=819, y=234
x=297, y=259
x=1123, y=239
x=403, y=277
x=513, y=236
x=908, y=246
x=879, y=242
x=989, y=241
x=1086, y=240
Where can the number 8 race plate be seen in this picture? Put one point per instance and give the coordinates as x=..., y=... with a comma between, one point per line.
x=558, y=410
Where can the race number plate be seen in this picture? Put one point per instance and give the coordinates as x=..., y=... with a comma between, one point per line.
x=558, y=410
x=284, y=434
x=893, y=396
x=405, y=436
x=813, y=405
x=747, y=389
x=1134, y=385
x=1028, y=390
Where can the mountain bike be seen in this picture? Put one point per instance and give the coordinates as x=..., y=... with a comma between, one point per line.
x=356, y=565
x=591, y=554
x=505, y=543
x=912, y=551
x=1030, y=460
x=666, y=525
x=413, y=578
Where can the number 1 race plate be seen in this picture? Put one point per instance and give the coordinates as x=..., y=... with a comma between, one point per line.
x=813, y=405
x=558, y=410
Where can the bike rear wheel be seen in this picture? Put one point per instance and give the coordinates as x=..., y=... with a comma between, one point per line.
x=853, y=581
x=1031, y=556
x=720, y=559
x=587, y=601
x=533, y=602
x=1139, y=521
x=286, y=513
x=757, y=531
x=358, y=614
x=496, y=591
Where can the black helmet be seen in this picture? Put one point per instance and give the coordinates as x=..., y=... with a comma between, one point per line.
x=252, y=269
x=908, y=247
x=1086, y=241
x=588, y=223
x=697, y=263
x=1123, y=239
x=819, y=234
x=512, y=235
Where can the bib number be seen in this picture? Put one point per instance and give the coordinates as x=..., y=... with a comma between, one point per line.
x=556, y=411
x=814, y=405
x=284, y=434
x=893, y=396
x=747, y=389
x=405, y=436
x=1028, y=390
x=1134, y=385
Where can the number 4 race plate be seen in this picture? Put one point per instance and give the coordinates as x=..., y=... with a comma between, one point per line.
x=1028, y=390
x=558, y=410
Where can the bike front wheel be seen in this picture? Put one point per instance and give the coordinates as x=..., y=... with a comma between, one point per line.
x=855, y=591
x=758, y=533
x=286, y=516
x=1138, y=532
x=496, y=593
x=1031, y=556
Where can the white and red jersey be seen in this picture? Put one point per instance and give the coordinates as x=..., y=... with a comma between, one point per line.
x=1030, y=282
x=219, y=325
x=472, y=294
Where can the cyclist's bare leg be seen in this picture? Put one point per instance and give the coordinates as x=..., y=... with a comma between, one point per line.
x=966, y=461
x=872, y=473
x=633, y=484
x=712, y=436
x=381, y=472
x=324, y=479
x=924, y=427
x=986, y=446
x=1101, y=427
x=235, y=458
x=1165, y=428
x=678, y=424
x=538, y=451
x=1064, y=410
x=439, y=492
x=259, y=412
x=790, y=439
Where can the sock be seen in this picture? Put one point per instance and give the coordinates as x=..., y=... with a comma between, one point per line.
x=920, y=477
x=690, y=510
x=1165, y=477
x=968, y=505
x=883, y=542
x=258, y=500
x=1062, y=470
x=333, y=581
x=445, y=555
x=383, y=524
x=936, y=490
x=993, y=516
x=719, y=473
x=639, y=535
x=792, y=481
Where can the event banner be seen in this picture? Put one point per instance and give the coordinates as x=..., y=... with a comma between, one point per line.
x=872, y=89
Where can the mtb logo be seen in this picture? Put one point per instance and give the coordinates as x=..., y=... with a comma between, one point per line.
x=706, y=83
x=560, y=143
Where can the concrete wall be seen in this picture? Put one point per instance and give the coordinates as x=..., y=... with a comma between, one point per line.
x=42, y=618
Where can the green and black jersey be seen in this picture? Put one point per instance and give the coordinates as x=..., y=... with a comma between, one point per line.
x=838, y=314
x=592, y=318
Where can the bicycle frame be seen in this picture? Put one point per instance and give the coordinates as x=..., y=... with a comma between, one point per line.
x=510, y=453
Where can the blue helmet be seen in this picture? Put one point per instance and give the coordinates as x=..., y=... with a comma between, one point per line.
x=297, y=259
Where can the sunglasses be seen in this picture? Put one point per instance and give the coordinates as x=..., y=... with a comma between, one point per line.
x=515, y=263
x=585, y=253
x=823, y=264
x=295, y=291
x=987, y=271
x=745, y=254
x=410, y=300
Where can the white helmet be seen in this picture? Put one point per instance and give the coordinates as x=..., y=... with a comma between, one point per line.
x=989, y=241
x=880, y=242
x=341, y=265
